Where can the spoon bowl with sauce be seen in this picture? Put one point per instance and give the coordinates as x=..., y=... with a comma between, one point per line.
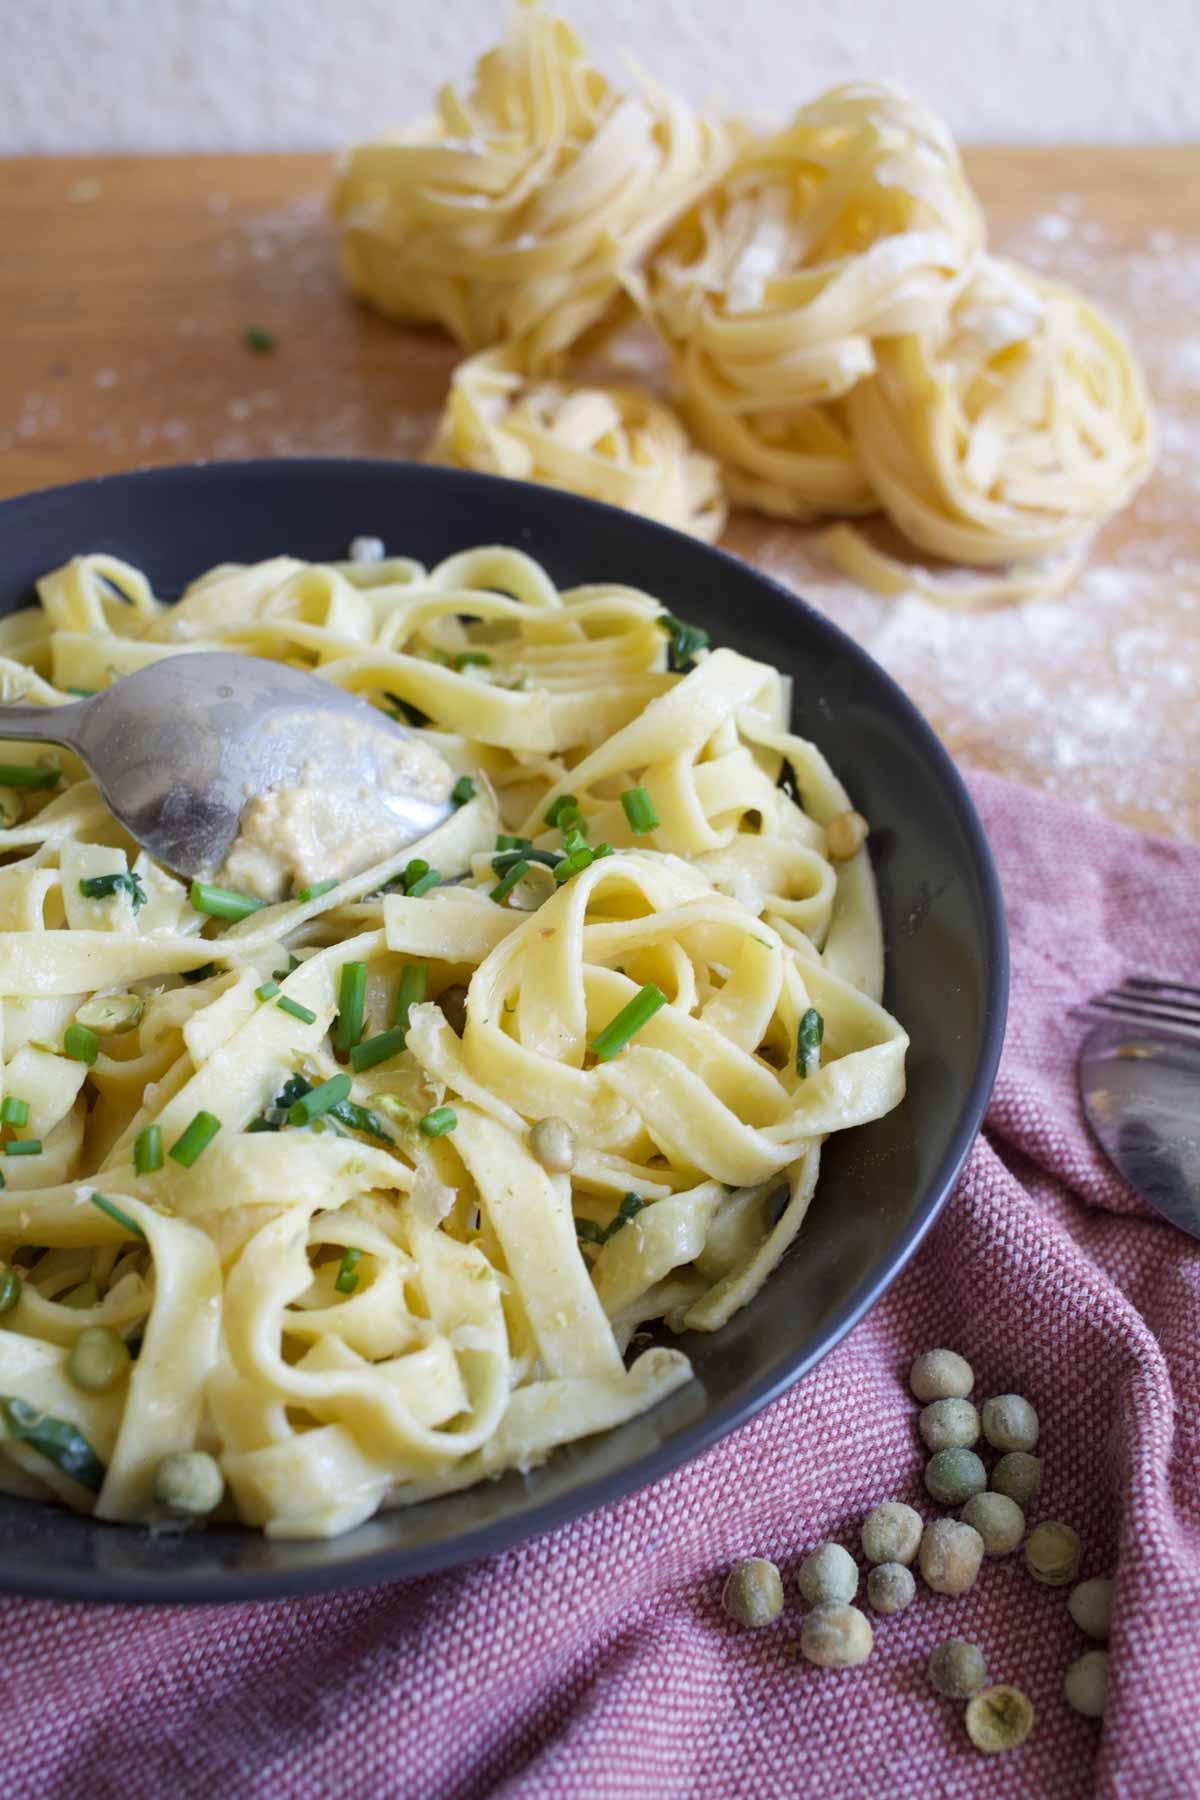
x=227, y=765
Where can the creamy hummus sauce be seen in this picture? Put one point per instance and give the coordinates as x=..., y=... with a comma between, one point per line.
x=335, y=820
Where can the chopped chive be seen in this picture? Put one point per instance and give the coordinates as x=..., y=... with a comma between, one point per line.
x=10, y=1289
x=405, y=712
x=639, y=810
x=506, y=842
x=198, y=1136
x=564, y=800
x=317, y=889
x=630, y=1020
x=574, y=864
x=686, y=641
x=116, y=1212
x=631, y=1205
x=507, y=883
x=30, y=775
x=463, y=790
x=81, y=1045
x=267, y=991
x=602, y=850
x=103, y=887
x=361, y=1118
x=467, y=659
x=352, y=993
x=305, y=1014
x=347, y=1279
x=24, y=1147
x=3, y=1183
x=378, y=1049
x=438, y=1122
x=55, y=1439
x=412, y=992
x=293, y=963
x=589, y=1231
x=148, y=1151
x=258, y=339
x=14, y=1111
x=200, y=974
x=223, y=903
x=275, y=1115
x=419, y=878
x=809, y=1037
x=504, y=861
x=320, y=1100
x=82, y=693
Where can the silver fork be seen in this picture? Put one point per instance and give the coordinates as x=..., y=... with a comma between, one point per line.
x=1139, y=1083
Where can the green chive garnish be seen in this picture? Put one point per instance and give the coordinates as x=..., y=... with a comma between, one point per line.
x=808, y=1043
x=405, y=713
x=378, y=1049
x=116, y=1212
x=467, y=659
x=412, y=992
x=631, y=1205
x=504, y=842
x=463, y=790
x=55, y=1439
x=639, y=810
x=419, y=878
x=30, y=775
x=24, y=1147
x=258, y=339
x=317, y=889
x=82, y=693
x=589, y=1231
x=10, y=1289
x=438, y=1122
x=563, y=801
x=198, y=1136
x=200, y=974
x=81, y=1045
x=507, y=883
x=310, y=1106
x=304, y=1013
x=573, y=864
x=347, y=1279
x=361, y=1118
x=14, y=1111
x=223, y=903
x=686, y=641
x=103, y=887
x=352, y=994
x=630, y=1020
x=267, y=991
x=148, y=1151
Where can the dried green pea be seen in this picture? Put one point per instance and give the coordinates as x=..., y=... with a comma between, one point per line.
x=957, y=1669
x=999, y=1719
x=949, y=1425
x=890, y=1588
x=998, y=1520
x=836, y=1637
x=1053, y=1553
x=952, y=1476
x=753, y=1592
x=941, y=1375
x=1086, y=1683
x=891, y=1533
x=828, y=1576
x=1090, y=1605
x=1018, y=1475
x=1010, y=1423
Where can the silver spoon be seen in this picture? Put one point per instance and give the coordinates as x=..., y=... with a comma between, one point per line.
x=178, y=748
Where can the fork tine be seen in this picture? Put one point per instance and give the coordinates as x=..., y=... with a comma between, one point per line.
x=1177, y=992
x=1178, y=1022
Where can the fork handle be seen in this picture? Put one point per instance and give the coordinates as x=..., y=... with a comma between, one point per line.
x=43, y=724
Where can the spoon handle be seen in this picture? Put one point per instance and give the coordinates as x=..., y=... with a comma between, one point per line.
x=41, y=724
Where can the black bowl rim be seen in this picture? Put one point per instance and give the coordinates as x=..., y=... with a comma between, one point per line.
x=378, y=1567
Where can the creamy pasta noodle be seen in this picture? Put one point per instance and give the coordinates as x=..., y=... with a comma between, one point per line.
x=617, y=444
x=515, y=211
x=363, y=1194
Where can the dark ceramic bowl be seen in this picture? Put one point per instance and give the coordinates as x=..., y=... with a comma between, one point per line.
x=881, y=1186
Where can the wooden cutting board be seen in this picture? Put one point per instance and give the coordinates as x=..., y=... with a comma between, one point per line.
x=127, y=285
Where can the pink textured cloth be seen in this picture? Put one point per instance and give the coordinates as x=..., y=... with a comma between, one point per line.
x=596, y=1662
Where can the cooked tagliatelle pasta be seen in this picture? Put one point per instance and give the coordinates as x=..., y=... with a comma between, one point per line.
x=853, y=223
x=513, y=213
x=280, y=1192
x=617, y=444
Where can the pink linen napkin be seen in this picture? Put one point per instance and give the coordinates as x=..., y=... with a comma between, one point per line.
x=596, y=1662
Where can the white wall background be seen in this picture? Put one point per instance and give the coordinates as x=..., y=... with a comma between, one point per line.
x=295, y=74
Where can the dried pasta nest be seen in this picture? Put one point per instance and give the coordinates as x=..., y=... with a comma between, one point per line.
x=854, y=222
x=615, y=444
x=1005, y=432
x=515, y=211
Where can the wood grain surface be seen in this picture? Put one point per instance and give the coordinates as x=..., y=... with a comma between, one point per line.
x=127, y=286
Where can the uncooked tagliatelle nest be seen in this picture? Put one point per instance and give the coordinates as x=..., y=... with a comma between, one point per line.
x=853, y=223
x=1005, y=434
x=515, y=212
x=615, y=444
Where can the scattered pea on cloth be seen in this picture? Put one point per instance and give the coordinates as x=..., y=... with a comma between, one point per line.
x=891, y=1533
x=950, y=1555
x=1053, y=1553
x=1018, y=1475
x=957, y=1669
x=836, y=1637
x=1090, y=1605
x=828, y=1574
x=949, y=1425
x=753, y=1592
x=891, y=1588
x=998, y=1520
x=1086, y=1683
x=941, y=1375
x=999, y=1719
